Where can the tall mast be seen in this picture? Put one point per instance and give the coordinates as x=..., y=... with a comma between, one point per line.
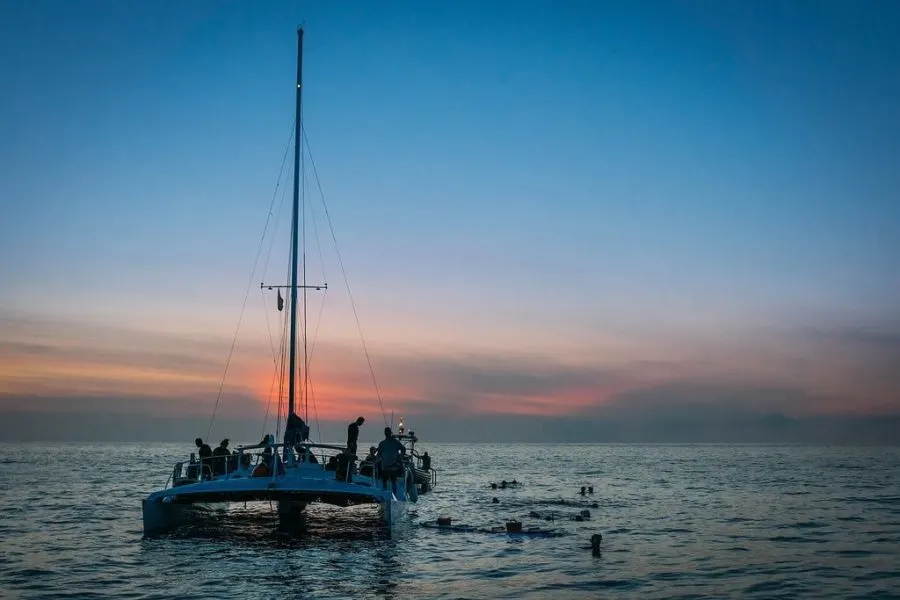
x=295, y=238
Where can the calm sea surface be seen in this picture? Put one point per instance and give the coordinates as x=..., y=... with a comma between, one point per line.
x=677, y=521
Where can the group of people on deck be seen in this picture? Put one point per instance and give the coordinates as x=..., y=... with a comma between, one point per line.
x=384, y=462
x=213, y=462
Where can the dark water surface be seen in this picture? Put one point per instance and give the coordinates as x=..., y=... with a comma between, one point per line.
x=677, y=521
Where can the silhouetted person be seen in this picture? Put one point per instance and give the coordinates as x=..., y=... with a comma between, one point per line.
x=220, y=458
x=367, y=466
x=353, y=434
x=344, y=466
x=205, y=453
x=426, y=462
x=390, y=459
x=295, y=431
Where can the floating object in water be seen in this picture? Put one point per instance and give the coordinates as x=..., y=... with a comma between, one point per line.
x=511, y=527
x=494, y=500
x=505, y=484
x=444, y=521
x=447, y=527
x=595, y=543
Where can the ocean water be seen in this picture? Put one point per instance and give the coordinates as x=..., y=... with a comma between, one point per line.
x=677, y=521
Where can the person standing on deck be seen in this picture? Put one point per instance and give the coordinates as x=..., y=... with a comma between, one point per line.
x=390, y=458
x=205, y=453
x=220, y=458
x=353, y=434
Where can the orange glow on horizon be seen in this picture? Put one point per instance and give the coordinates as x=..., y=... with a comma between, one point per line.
x=186, y=374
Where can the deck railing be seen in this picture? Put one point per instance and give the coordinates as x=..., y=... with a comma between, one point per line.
x=275, y=456
x=244, y=460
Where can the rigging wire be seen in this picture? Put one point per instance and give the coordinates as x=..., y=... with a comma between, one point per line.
x=276, y=377
x=344, y=273
x=311, y=351
x=266, y=265
x=315, y=337
x=305, y=294
x=280, y=377
x=247, y=292
x=316, y=413
x=277, y=360
x=285, y=361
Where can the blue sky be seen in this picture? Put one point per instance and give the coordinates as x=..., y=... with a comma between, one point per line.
x=523, y=177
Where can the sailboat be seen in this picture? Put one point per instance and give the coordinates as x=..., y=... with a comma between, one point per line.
x=288, y=472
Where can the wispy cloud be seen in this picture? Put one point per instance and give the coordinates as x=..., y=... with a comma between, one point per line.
x=57, y=368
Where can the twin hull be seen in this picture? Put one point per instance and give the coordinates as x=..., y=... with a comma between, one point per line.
x=292, y=491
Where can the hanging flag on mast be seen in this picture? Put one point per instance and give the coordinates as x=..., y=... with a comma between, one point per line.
x=280, y=302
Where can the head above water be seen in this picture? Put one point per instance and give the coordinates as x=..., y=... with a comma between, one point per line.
x=199, y=442
x=387, y=432
x=360, y=420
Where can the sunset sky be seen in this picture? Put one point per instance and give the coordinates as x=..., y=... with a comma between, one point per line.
x=652, y=213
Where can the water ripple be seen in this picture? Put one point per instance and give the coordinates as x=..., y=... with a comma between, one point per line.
x=677, y=521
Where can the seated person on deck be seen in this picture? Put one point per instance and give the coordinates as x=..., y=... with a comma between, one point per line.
x=220, y=458
x=367, y=466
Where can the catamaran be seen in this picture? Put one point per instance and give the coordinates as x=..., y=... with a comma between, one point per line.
x=289, y=472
